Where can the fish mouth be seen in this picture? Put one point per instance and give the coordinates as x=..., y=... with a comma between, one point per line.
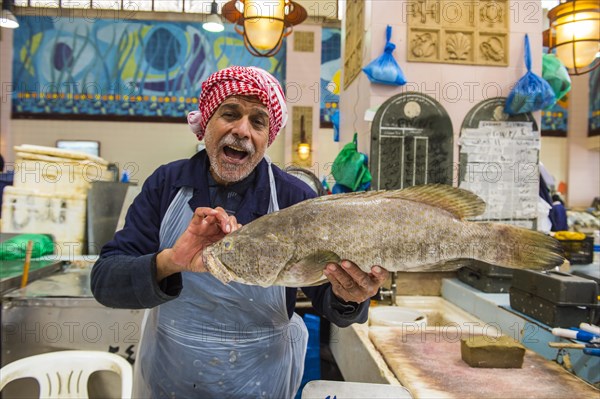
x=215, y=267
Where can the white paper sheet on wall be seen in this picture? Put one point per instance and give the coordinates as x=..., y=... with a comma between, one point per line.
x=499, y=162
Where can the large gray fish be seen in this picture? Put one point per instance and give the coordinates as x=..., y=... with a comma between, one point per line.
x=416, y=229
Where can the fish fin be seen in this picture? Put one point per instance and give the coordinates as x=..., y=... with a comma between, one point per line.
x=518, y=248
x=459, y=202
x=308, y=269
x=445, y=266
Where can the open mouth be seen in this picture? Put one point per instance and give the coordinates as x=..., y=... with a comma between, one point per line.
x=214, y=266
x=234, y=153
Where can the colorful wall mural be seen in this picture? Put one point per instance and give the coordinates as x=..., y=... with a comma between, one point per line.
x=554, y=120
x=71, y=68
x=331, y=70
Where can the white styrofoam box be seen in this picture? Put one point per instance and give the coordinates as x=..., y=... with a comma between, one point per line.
x=61, y=214
x=54, y=170
x=60, y=175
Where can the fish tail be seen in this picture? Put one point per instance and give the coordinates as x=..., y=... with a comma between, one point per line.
x=519, y=248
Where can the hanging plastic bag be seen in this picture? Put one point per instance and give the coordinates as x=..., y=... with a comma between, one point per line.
x=335, y=119
x=385, y=69
x=531, y=93
x=555, y=73
x=349, y=168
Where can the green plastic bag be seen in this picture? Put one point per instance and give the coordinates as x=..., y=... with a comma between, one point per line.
x=555, y=73
x=349, y=167
x=16, y=247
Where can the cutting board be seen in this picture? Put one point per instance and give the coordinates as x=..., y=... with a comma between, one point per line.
x=429, y=364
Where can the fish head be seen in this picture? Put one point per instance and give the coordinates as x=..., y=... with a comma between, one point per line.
x=247, y=258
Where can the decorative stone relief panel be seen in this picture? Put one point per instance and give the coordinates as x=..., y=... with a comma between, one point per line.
x=304, y=41
x=355, y=26
x=458, y=31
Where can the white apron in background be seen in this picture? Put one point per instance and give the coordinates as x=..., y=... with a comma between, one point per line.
x=216, y=340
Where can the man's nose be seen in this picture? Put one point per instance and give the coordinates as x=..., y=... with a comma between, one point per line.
x=243, y=128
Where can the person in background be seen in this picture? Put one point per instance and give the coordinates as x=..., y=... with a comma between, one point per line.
x=558, y=214
x=202, y=338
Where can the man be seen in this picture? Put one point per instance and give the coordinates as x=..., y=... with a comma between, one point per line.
x=202, y=338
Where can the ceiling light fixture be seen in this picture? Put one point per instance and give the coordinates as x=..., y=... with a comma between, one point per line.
x=213, y=22
x=8, y=19
x=263, y=23
x=575, y=34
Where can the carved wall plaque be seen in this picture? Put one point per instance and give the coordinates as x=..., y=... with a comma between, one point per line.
x=458, y=31
x=304, y=41
x=353, y=49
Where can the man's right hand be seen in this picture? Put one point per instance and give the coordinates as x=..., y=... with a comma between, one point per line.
x=207, y=226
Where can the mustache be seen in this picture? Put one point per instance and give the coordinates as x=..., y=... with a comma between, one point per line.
x=231, y=140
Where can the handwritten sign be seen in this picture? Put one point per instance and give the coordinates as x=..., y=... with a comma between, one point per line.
x=499, y=162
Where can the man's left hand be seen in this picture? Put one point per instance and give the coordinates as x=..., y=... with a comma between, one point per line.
x=351, y=284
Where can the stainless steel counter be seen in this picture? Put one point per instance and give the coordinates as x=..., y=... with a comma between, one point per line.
x=58, y=312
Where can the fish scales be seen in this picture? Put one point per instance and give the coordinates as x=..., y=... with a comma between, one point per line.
x=421, y=228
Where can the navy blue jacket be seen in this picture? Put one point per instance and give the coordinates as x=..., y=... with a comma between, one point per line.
x=125, y=274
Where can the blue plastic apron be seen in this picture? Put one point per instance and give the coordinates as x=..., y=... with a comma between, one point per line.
x=217, y=340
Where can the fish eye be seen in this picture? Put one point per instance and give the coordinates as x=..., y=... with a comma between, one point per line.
x=227, y=244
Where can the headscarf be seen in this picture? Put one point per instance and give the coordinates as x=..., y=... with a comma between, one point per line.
x=242, y=81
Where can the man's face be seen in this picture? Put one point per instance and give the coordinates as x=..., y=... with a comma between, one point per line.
x=236, y=138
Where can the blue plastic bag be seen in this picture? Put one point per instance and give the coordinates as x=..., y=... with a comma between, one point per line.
x=531, y=93
x=384, y=69
x=335, y=119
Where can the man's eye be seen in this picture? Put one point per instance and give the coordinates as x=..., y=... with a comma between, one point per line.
x=259, y=122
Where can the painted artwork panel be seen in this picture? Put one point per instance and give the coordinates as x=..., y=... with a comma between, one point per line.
x=554, y=120
x=331, y=72
x=73, y=68
x=594, y=115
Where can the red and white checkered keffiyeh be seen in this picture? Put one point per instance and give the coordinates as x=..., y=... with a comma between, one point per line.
x=244, y=81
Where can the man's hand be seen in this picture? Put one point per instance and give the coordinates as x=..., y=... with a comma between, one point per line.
x=206, y=227
x=351, y=284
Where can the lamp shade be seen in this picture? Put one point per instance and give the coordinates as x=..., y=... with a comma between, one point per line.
x=213, y=24
x=8, y=20
x=263, y=23
x=303, y=151
x=575, y=34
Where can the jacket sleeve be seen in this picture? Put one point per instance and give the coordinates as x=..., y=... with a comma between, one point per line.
x=124, y=276
x=340, y=313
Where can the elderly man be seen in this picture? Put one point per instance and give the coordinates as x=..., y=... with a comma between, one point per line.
x=201, y=338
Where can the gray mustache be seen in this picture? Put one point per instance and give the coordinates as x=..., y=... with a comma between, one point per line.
x=231, y=140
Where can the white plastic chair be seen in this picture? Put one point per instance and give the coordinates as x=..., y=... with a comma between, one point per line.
x=65, y=374
x=319, y=389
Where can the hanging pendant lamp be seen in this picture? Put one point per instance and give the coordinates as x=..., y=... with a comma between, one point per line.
x=575, y=34
x=213, y=22
x=263, y=23
x=7, y=18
